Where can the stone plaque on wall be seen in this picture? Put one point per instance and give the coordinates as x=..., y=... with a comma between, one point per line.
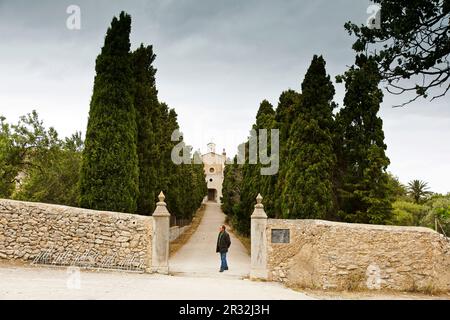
x=280, y=235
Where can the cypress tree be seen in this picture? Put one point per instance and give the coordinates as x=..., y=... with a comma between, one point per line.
x=184, y=189
x=253, y=181
x=308, y=185
x=231, y=188
x=265, y=119
x=243, y=209
x=109, y=173
x=148, y=120
x=200, y=186
x=363, y=189
x=286, y=113
x=173, y=177
x=184, y=185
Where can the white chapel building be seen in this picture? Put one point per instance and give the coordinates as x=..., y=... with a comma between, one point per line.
x=214, y=165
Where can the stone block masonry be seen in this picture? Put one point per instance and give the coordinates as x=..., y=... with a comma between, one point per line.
x=176, y=232
x=341, y=256
x=60, y=235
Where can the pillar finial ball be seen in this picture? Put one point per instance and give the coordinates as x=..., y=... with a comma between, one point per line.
x=161, y=197
x=259, y=199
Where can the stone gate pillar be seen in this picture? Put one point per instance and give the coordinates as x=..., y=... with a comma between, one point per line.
x=160, y=241
x=259, y=241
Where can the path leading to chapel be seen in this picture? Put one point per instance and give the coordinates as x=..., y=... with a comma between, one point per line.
x=198, y=256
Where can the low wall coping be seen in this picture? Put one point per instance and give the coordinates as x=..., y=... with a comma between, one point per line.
x=374, y=227
x=72, y=210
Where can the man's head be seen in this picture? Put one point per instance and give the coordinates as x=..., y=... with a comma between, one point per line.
x=222, y=228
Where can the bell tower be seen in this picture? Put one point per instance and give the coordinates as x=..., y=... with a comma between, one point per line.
x=211, y=147
x=214, y=165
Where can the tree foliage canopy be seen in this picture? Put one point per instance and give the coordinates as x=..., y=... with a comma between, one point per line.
x=308, y=188
x=127, y=159
x=363, y=189
x=35, y=165
x=418, y=190
x=148, y=126
x=411, y=47
x=110, y=173
x=331, y=167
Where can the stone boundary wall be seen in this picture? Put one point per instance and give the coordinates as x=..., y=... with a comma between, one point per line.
x=60, y=235
x=342, y=256
x=176, y=232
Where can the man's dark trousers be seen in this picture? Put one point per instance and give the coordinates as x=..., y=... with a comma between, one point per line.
x=223, y=243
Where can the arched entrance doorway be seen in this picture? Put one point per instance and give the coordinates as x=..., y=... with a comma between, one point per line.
x=212, y=195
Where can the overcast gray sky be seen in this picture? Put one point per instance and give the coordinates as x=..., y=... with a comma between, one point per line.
x=216, y=61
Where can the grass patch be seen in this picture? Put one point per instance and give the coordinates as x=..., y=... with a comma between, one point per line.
x=184, y=238
x=354, y=282
x=245, y=240
x=428, y=289
x=359, y=293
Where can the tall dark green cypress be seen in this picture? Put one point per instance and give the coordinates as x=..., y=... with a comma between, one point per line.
x=170, y=173
x=363, y=189
x=308, y=186
x=148, y=120
x=109, y=173
x=231, y=188
x=200, y=186
x=253, y=181
x=184, y=184
x=247, y=194
x=286, y=113
x=265, y=119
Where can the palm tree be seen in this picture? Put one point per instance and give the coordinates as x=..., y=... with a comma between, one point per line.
x=418, y=190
